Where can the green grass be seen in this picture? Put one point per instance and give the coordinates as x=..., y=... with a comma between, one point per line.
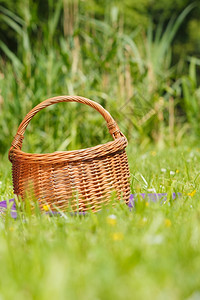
x=152, y=252
x=131, y=75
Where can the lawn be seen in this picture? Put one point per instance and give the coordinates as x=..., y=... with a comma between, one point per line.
x=151, y=252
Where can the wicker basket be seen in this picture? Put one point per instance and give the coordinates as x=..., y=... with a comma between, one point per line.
x=78, y=180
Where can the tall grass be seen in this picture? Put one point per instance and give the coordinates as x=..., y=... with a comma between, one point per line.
x=191, y=95
x=130, y=75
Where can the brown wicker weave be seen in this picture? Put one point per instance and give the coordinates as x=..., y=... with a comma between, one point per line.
x=78, y=180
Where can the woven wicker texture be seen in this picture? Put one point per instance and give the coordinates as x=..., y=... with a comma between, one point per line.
x=78, y=180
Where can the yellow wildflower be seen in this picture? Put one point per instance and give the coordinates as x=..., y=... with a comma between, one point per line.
x=117, y=236
x=168, y=222
x=147, y=203
x=153, y=153
x=112, y=220
x=46, y=207
x=177, y=171
x=192, y=193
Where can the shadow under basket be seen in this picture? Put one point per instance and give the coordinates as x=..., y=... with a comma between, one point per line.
x=78, y=180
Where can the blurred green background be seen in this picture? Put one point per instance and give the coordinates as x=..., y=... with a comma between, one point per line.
x=139, y=59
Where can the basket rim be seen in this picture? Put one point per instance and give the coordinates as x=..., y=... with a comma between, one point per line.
x=56, y=157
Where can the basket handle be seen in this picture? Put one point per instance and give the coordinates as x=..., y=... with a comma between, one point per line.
x=111, y=124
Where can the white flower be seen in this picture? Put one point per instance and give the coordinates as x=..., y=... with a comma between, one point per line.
x=156, y=239
x=112, y=217
x=163, y=170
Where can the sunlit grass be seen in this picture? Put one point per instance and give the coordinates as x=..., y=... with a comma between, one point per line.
x=130, y=75
x=149, y=252
x=152, y=251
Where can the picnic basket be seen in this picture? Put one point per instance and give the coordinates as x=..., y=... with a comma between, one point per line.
x=77, y=180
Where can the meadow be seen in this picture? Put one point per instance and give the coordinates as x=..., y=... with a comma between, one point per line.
x=151, y=251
